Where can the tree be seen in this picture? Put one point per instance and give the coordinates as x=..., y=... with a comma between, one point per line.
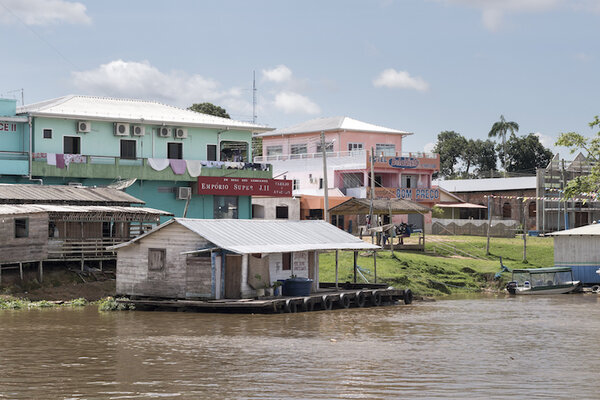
x=210, y=109
x=449, y=146
x=500, y=129
x=486, y=159
x=577, y=142
x=526, y=154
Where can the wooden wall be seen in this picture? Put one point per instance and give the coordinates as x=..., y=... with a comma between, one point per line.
x=26, y=249
x=132, y=265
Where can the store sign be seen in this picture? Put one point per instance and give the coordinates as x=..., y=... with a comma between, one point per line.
x=8, y=127
x=418, y=194
x=244, y=186
x=403, y=162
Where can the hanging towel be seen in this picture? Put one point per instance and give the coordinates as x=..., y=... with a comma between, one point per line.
x=158, y=164
x=74, y=158
x=194, y=168
x=51, y=158
x=60, y=161
x=178, y=166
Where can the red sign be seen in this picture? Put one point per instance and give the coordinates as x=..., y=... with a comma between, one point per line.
x=244, y=186
x=8, y=127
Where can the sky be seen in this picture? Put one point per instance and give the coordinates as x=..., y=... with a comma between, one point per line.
x=423, y=66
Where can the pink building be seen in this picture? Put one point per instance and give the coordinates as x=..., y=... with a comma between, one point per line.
x=295, y=153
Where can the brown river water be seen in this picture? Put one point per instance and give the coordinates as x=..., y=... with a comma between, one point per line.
x=468, y=348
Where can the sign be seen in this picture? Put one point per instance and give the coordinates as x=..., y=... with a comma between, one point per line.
x=403, y=162
x=300, y=264
x=8, y=127
x=226, y=186
x=418, y=194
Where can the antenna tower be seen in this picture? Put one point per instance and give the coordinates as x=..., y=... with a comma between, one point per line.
x=253, y=97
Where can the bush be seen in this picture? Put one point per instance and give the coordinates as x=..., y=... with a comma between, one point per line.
x=112, y=304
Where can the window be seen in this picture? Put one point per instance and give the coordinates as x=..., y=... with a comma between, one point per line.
x=328, y=147
x=532, y=209
x=281, y=212
x=234, y=151
x=211, y=152
x=298, y=149
x=128, y=149
x=385, y=149
x=47, y=133
x=274, y=150
x=286, y=261
x=225, y=207
x=72, y=145
x=21, y=227
x=156, y=263
x=175, y=151
x=506, y=210
x=409, y=181
x=355, y=146
x=296, y=184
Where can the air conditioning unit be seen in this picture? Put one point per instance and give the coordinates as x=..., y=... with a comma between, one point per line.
x=84, y=126
x=163, y=131
x=138, y=130
x=184, y=193
x=121, y=129
x=180, y=133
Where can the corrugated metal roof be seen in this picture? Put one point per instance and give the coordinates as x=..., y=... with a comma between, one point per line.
x=13, y=209
x=488, y=184
x=20, y=193
x=333, y=124
x=587, y=230
x=380, y=206
x=140, y=111
x=246, y=236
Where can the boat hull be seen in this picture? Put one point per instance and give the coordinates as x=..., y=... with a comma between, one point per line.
x=559, y=289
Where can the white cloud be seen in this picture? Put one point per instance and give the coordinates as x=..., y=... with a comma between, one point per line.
x=294, y=103
x=494, y=11
x=391, y=78
x=279, y=74
x=546, y=141
x=141, y=80
x=428, y=148
x=43, y=12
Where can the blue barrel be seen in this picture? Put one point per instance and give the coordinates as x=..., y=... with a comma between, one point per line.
x=297, y=286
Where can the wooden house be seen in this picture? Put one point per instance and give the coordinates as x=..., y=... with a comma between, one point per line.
x=225, y=259
x=41, y=223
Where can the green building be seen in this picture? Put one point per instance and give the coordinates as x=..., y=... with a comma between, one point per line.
x=176, y=160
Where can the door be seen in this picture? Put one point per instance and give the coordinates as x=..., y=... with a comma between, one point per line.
x=233, y=276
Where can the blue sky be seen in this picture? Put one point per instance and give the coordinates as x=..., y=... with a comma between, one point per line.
x=418, y=65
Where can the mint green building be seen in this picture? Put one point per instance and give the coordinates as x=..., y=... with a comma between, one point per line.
x=153, y=151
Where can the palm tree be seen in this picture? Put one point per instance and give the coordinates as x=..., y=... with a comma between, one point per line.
x=501, y=128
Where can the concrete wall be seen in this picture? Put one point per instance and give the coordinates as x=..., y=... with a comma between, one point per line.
x=269, y=206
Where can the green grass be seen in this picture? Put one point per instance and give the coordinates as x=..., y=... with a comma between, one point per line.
x=442, y=273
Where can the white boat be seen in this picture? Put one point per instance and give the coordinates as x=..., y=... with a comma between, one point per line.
x=555, y=280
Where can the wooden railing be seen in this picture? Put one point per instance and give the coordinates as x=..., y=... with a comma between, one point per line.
x=87, y=249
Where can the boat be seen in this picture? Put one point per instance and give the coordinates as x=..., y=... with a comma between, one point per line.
x=554, y=280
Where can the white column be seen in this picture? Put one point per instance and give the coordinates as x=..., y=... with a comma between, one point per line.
x=246, y=290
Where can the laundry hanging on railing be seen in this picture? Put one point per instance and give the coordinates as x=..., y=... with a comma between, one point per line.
x=158, y=164
x=194, y=168
x=178, y=166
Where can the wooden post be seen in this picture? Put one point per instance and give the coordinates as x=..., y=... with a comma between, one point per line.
x=391, y=230
x=100, y=265
x=41, y=270
x=21, y=270
x=325, y=183
x=0, y=273
x=355, y=265
x=524, y=234
x=423, y=232
x=375, y=265
x=337, y=255
x=489, y=225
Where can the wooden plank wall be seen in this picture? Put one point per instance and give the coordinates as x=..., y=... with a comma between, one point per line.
x=132, y=263
x=31, y=248
x=199, y=276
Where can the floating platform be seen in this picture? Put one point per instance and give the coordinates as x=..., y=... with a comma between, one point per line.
x=322, y=300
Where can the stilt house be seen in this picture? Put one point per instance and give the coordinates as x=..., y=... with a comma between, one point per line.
x=225, y=259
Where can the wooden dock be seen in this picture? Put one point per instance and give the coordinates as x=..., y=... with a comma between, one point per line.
x=322, y=300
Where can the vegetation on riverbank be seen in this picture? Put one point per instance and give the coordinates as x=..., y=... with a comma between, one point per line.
x=443, y=270
x=14, y=303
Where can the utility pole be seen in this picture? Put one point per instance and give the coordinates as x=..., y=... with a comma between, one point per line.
x=372, y=192
x=524, y=233
x=325, y=185
x=487, y=249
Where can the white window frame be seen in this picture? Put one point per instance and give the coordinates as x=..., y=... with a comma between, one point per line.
x=354, y=146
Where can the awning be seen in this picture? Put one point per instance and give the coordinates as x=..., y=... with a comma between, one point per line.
x=459, y=205
x=380, y=206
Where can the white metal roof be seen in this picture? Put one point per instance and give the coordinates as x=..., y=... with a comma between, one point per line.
x=246, y=236
x=29, y=193
x=587, y=230
x=140, y=111
x=487, y=185
x=13, y=209
x=333, y=124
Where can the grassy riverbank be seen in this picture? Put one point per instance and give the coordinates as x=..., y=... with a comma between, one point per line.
x=443, y=270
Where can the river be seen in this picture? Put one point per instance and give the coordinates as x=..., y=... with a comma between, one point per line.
x=480, y=347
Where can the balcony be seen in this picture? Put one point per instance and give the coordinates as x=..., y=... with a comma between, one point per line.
x=14, y=163
x=103, y=167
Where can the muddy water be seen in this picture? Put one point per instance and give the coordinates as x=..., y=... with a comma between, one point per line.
x=495, y=347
